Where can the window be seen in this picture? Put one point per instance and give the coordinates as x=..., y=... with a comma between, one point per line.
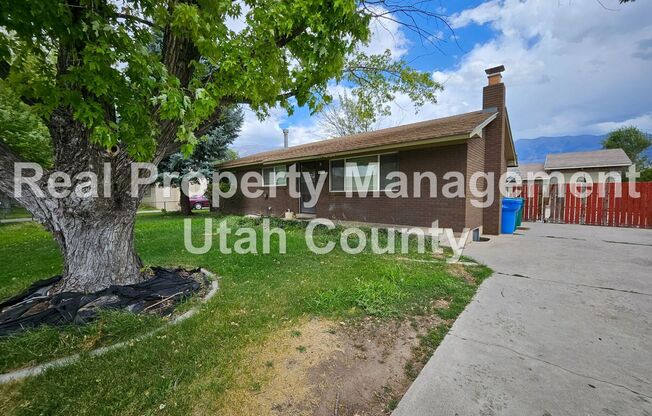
x=366, y=173
x=361, y=174
x=281, y=178
x=388, y=164
x=337, y=175
x=275, y=176
x=268, y=176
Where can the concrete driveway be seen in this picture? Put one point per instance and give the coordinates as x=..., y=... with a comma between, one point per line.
x=563, y=327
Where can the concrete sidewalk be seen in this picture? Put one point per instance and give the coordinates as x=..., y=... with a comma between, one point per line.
x=563, y=327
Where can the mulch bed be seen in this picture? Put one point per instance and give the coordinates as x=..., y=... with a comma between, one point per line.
x=159, y=294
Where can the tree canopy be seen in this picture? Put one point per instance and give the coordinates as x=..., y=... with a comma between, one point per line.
x=139, y=80
x=95, y=58
x=177, y=167
x=22, y=130
x=347, y=116
x=375, y=81
x=633, y=141
x=212, y=148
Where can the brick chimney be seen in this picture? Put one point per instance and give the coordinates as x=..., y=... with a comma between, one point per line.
x=493, y=99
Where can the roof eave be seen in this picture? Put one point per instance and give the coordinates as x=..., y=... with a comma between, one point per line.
x=513, y=161
x=610, y=165
x=373, y=149
x=332, y=155
x=478, y=131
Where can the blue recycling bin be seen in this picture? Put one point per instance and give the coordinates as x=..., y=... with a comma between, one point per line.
x=510, y=208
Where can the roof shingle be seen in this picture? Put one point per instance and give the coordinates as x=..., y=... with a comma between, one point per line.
x=594, y=159
x=463, y=124
x=527, y=170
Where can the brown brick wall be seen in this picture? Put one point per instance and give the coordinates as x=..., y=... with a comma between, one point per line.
x=407, y=211
x=382, y=209
x=475, y=163
x=263, y=205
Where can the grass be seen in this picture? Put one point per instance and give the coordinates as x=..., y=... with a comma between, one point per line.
x=14, y=213
x=48, y=343
x=17, y=212
x=147, y=207
x=201, y=357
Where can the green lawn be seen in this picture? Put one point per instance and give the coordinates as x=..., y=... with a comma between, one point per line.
x=147, y=207
x=15, y=212
x=201, y=357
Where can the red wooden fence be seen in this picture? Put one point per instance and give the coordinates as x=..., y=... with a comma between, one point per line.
x=610, y=204
x=534, y=200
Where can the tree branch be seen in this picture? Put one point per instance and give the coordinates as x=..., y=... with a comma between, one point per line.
x=282, y=41
x=210, y=122
x=29, y=199
x=136, y=19
x=178, y=53
x=386, y=10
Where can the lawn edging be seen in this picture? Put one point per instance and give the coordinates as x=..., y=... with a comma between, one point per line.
x=24, y=373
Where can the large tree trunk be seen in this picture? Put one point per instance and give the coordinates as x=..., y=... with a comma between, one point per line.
x=99, y=252
x=95, y=234
x=95, y=238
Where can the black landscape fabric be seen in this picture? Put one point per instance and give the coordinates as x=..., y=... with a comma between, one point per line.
x=34, y=307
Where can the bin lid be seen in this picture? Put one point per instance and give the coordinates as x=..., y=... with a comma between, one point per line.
x=512, y=203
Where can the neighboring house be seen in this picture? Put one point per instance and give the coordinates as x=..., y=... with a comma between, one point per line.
x=160, y=197
x=592, y=163
x=573, y=167
x=610, y=161
x=526, y=171
x=167, y=198
x=473, y=142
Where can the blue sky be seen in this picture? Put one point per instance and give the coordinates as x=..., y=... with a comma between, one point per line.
x=573, y=67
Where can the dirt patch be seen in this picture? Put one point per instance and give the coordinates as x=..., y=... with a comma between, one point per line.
x=441, y=304
x=327, y=368
x=460, y=271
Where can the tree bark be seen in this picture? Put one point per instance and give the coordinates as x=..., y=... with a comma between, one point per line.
x=98, y=253
x=95, y=235
x=186, y=208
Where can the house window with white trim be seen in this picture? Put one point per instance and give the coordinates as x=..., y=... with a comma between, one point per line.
x=275, y=176
x=366, y=173
x=361, y=174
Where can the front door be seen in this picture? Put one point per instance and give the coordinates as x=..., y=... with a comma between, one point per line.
x=307, y=170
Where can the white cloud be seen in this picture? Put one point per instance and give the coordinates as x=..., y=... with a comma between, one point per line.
x=572, y=67
x=386, y=34
x=484, y=13
x=260, y=135
x=643, y=122
x=267, y=134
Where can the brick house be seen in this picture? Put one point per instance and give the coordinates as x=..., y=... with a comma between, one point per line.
x=480, y=141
